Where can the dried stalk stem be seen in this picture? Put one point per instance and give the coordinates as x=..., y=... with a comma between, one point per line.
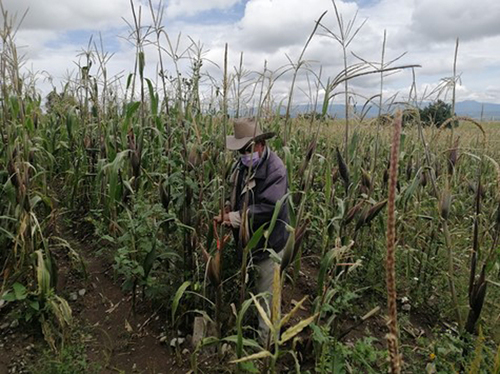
x=392, y=336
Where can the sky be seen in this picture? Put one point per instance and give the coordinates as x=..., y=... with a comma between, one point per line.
x=54, y=35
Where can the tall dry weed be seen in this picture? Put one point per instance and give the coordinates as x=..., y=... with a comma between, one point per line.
x=392, y=336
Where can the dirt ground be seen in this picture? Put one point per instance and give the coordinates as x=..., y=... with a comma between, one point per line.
x=121, y=341
x=115, y=338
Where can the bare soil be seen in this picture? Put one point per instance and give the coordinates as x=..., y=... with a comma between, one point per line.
x=115, y=338
x=119, y=340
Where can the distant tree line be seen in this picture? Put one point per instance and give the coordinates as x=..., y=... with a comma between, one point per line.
x=434, y=114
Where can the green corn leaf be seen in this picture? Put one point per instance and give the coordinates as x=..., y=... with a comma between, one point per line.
x=70, y=122
x=353, y=145
x=142, y=63
x=288, y=163
x=129, y=80
x=153, y=98
x=288, y=250
x=112, y=171
x=210, y=340
x=410, y=190
x=326, y=264
x=8, y=218
x=328, y=183
x=239, y=321
x=8, y=234
x=254, y=240
x=34, y=201
x=14, y=105
x=128, y=186
x=292, y=213
x=34, y=304
x=326, y=99
x=131, y=109
x=177, y=298
x=29, y=124
x=277, y=209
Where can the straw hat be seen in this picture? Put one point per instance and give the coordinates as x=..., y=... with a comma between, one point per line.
x=244, y=131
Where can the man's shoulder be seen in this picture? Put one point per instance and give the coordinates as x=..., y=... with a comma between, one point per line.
x=275, y=163
x=273, y=157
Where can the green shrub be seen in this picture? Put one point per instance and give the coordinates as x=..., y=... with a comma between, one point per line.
x=436, y=114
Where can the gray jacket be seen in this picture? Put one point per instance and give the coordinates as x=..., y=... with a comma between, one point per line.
x=266, y=186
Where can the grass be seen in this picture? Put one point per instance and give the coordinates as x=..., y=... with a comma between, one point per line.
x=72, y=359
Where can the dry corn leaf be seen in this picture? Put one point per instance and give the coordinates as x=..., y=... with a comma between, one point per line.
x=113, y=307
x=262, y=313
x=128, y=327
x=255, y=356
x=276, y=310
x=294, y=330
x=298, y=305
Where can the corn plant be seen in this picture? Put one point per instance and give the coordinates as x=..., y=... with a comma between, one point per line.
x=275, y=322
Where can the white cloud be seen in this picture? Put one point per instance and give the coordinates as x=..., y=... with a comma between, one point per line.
x=449, y=19
x=32, y=42
x=271, y=30
x=69, y=14
x=270, y=24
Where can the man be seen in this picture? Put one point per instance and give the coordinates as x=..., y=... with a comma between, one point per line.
x=259, y=176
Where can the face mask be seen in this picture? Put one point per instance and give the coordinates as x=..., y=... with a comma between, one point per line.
x=250, y=159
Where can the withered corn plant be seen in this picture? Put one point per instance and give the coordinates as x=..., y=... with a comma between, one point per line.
x=275, y=321
x=28, y=268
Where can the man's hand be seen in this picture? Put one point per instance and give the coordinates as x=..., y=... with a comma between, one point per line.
x=224, y=220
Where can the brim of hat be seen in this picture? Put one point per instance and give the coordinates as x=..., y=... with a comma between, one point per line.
x=234, y=144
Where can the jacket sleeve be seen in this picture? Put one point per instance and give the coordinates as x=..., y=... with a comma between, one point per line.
x=275, y=187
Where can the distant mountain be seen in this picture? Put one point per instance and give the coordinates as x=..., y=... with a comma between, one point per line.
x=474, y=109
x=467, y=108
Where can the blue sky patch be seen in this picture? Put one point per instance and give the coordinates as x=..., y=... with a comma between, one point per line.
x=217, y=16
x=81, y=39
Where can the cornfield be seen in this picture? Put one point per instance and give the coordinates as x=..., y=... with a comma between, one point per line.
x=130, y=171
